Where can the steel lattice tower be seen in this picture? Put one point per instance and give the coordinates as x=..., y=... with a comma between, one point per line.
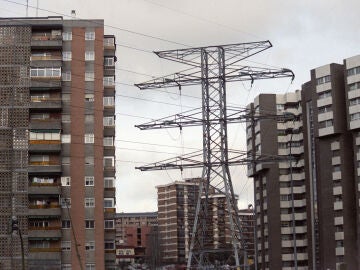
x=212, y=67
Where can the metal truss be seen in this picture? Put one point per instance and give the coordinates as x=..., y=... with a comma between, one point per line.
x=212, y=67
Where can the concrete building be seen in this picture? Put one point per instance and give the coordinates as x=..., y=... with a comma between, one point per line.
x=318, y=193
x=57, y=143
x=176, y=212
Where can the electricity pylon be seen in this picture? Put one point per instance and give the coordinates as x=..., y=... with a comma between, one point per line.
x=212, y=67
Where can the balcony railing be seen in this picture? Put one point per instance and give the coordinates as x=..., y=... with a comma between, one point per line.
x=50, y=228
x=50, y=249
x=46, y=36
x=45, y=57
x=44, y=141
x=44, y=184
x=44, y=206
x=44, y=163
x=109, y=210
x=44, y=99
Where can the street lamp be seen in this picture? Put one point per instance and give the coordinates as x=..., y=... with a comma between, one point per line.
x=15, y=227
x=251, y=207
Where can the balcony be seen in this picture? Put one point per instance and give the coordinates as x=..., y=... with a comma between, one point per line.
x=38, y=189
x=51, y=253
x=44, y=232
x=46, y=40
x=109, y=193
x=44, y=167
x=50, y=123
x=45, y=210
x=48, y=84
x=47, y=103
x=44, y=146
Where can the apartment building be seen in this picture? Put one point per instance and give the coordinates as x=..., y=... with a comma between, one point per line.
x=308, y=208
x=134, y=233
x=57, y=83
x=176, y=211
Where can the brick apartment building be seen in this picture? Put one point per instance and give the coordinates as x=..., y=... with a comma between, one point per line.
x=57, y=154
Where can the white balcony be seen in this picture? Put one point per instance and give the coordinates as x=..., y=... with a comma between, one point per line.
x=337, y=190
x=357, y=140
x=336, y=175
x=340, y=251
x=326, y=131
x=290, y=243
x=335, y=161
x=325, y=116
x=338, y=205
x=335, y=146
x=324, y=102
x=339, y=236
x=354, y=94
x=353, y=79
x=298, y=229
x=338, y=221
x=355, y=124
x=354, y=109
x=323, y=87
x=291, y=257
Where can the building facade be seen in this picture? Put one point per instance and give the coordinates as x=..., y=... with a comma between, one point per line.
x=57, y=128
x=134, y=233
x=176, y=211
x=308, y=207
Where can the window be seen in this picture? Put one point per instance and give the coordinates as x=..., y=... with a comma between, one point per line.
x=109, y=182
x=109, y=41
x=89, y=97
x=66, y=76
x=89, y=181
x=354, y=86
x=89, y=160
x=282, y=145
x=89, y=224
x=90, y=266
x=65, y=181
x=109, y=224
x=65, y=202
x=90, y=245
x=89, y=118
x=353, y=71
x=89, y=56
x=89, y=202
x=355, y=101
x=65, y=245
x=89, y=138
x=109, y=101
x=108, y=203
x=66, y=56
x=109, y=161
x=109, y=61
x=67, y=35
x=325, y=94
x=39, y=116
x=66, y=267
x=45, y=72
x=108, y=141
x=65, y=224
x=323, y=80
x=89, y=35
x=39, y=244
x=89, y=76
x=65, y=160
x=65, y=138
x=354, y=116
x=109, y=245
x=327, y=123
x=109, y=121
x=325, y=109
x=109, y=81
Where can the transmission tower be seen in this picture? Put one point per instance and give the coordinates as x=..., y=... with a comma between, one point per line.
x=212, y=67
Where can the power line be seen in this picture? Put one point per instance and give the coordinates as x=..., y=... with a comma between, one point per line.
x=202, y=19
x=110, y=26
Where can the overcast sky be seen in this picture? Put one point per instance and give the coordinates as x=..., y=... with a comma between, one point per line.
x=305, y=35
